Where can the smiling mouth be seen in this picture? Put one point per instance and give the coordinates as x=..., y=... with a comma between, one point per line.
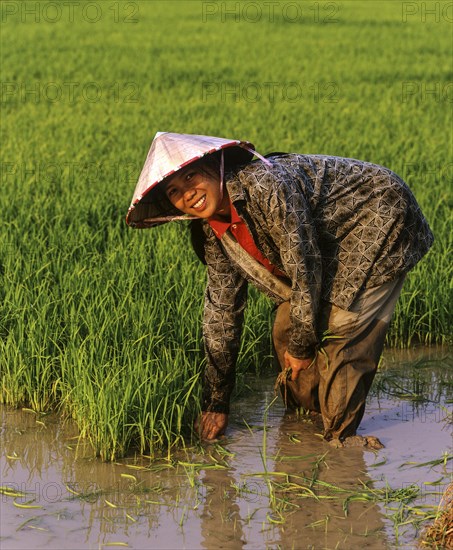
x=200, y=203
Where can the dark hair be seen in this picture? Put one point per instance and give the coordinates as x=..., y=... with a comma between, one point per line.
x=198, y=238
x=211, y=163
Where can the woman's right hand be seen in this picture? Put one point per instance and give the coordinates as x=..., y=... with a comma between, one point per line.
x=210, y=425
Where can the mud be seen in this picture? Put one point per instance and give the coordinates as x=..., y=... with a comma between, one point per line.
x=260, y=487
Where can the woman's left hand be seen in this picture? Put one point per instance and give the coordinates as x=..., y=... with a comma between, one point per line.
x=296, y=365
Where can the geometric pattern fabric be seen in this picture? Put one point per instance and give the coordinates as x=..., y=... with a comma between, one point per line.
x=334, y=225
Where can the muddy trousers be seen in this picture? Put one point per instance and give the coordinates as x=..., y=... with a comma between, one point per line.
x=338, y=382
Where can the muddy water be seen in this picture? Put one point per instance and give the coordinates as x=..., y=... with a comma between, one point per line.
x=218, y=496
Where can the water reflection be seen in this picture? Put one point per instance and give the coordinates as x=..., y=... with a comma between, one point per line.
x=220, y=498
x=296, y=453
x=85, y=503
x=221, y=520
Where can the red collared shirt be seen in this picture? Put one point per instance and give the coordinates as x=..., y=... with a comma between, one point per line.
x=244, y=238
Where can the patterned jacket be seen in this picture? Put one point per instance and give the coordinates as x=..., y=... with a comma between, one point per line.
x=333, y=225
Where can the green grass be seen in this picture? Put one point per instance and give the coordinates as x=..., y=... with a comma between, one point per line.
x=104, y=321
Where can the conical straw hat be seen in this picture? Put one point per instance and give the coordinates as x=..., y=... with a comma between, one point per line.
x=169, y=153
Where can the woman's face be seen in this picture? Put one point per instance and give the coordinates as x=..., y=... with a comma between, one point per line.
x=196, y=193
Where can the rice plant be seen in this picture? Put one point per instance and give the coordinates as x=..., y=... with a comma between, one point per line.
x=103, y=322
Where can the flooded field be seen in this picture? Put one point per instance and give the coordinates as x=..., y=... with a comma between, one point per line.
x=271, y=483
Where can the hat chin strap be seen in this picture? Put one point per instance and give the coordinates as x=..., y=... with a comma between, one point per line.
x=250, y=150
x=222, y=175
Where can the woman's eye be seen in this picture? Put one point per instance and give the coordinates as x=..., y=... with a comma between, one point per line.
x=171, y=192
x=189, y=176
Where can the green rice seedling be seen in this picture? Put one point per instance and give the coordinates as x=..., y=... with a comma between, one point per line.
x=26, y=505
x=9, y=492
x=320, y=522
x=316, y=467
x=103, y=323
x=28, y=523
x=436, y=462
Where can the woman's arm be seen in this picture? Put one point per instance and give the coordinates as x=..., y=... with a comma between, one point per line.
x=225, y=301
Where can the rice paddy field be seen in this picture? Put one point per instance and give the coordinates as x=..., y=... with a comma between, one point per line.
x=100, y=323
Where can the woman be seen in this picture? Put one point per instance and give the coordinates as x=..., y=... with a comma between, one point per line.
x=339, y=235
